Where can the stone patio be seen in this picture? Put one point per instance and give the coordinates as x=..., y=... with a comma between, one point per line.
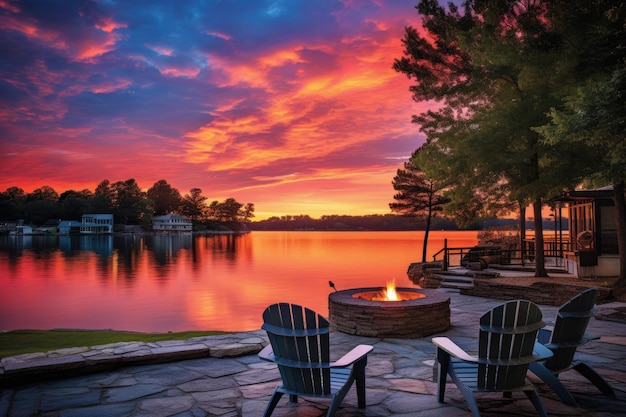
x=222, y=376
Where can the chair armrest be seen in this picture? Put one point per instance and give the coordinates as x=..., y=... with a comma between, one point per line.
x=267, y=354
x=453, y=349
x=354, y=355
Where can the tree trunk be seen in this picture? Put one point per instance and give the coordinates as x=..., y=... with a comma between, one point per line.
x=540, y=267
x=620, y=217
x=426, y=233
x=522, y=227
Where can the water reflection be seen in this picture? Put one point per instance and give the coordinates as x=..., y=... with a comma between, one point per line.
x=177, y=282
x=99, y=244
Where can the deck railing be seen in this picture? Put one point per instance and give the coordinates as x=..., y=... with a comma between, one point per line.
x=553, y=251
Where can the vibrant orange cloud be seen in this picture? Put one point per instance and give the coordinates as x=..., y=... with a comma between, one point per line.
x=360, y=86
x=295, y=109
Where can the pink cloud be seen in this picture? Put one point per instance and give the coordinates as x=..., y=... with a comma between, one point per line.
x=312, y=122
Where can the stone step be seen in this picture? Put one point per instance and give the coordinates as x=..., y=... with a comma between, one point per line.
x=458, y=278
x=456, y=285
x=456, y=281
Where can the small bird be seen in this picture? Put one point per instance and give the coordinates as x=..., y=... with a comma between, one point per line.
x=332, y=285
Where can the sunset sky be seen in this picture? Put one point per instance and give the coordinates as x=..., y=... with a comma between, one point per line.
x=290, y=105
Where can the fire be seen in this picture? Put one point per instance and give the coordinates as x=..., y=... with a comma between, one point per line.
x=390, y=293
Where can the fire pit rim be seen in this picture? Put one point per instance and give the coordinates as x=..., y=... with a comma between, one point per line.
x=347, y=297
x=396, y=319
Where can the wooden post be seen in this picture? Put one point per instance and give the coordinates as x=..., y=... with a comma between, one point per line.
x=445, y=254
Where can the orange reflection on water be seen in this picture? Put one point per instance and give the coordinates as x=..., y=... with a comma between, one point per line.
x=174, y=283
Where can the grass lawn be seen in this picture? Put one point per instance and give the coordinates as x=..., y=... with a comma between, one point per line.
x=17, y=342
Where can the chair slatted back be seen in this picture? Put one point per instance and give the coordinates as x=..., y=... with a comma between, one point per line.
x=300, y=341
x=506, y=341
x=570, y=327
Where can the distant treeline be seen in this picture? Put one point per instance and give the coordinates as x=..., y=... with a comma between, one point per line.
x=380, y=222
x=344, y=222
x=128, y=203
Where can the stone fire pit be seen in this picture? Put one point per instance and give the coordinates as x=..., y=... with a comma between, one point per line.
x=412, y=318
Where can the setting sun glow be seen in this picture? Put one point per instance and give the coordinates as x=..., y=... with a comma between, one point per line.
x=296, y=110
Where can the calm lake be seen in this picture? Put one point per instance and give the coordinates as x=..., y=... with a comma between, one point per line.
x=160, y=283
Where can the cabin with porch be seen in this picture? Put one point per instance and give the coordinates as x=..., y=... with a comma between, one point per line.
x=593, y=250
x=97, y=224
x=172, y=223
x=90, y=224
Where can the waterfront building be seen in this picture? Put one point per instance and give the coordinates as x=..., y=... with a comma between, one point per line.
x=97, y=223
x=171, y=223
x=593, y=233
x=89, y=224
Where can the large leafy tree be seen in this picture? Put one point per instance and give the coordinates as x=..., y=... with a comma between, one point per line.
x=41, y=205
x=130, y=203
x=225, y=211
x=165, y=198
x=230, y=212
x=74, y=203
x=247, y=213
x=417, y=195
x=44, y=193
x=596, y=115
x=485, y=66
x=12, y=203
x=592, y=116
x=194, y=204
x=103, y=198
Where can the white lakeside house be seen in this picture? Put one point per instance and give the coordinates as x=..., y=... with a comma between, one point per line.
x=97, y=223
x=90, y=224
x=171, y=223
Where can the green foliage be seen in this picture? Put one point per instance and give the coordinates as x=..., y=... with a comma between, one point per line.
x=164, y=198
x=496, y=70
x=126, y=201
x=417, y=195
x=129, y=202
x=194, y=204
x=342, y=222
x=19, y=342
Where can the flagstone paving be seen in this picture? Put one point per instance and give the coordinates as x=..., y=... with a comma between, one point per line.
x=222, y=376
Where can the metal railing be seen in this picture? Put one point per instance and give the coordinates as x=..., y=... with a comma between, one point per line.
x=553, y=250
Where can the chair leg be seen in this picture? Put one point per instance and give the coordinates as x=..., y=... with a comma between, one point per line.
x=467, y=393
x=273, y=402
x=553, y=382
x=359, y=379
x=470, y=399
x=534, y=398
x=334, y=406
x=443, y=359
x=586, y=371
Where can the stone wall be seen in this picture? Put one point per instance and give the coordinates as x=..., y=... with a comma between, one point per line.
x=546, y=293
x=424, y=274
x=396, y=319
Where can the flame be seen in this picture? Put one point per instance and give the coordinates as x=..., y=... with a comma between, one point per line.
x=390, y=293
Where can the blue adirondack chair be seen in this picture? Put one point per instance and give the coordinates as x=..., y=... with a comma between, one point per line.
x=563, y=339
x=506, y=347
x=299, y=345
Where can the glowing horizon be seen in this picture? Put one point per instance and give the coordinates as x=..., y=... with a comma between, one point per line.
x=294, y=107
